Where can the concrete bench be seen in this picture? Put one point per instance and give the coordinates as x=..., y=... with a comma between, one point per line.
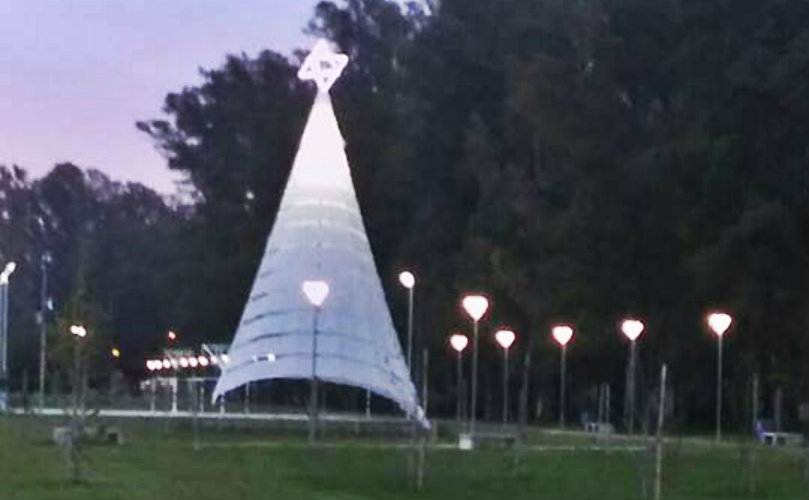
x=61, y=435
x=781, y=439
x=113, y=435
x=599, y=427
x=467, y=442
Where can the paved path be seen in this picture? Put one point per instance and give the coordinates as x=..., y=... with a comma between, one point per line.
x=216, y=415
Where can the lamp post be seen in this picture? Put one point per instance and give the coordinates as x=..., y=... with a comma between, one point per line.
x=316, y=292
x=505, y=338
x=4, y=277
x=44, y=262
x=719, y=323
x=408, y=281
x=79, y=332
x=475, y=306
x=459, y=343
x=562, y=334
x=632, y=329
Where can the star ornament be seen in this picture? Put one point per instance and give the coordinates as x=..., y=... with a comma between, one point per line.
x=323, y=66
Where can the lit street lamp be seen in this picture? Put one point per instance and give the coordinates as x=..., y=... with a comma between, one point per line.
x=316, y=292
x=562, y=334
x=79, y=332
x=475, y=306
x=115, y=353
x=172, y=336
x=4, y=276
x=719, y=323
x=632, y=329
x=408, y=281
x=459, y=343
x=505, y=338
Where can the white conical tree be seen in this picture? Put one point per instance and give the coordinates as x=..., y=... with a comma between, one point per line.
x=319, y=235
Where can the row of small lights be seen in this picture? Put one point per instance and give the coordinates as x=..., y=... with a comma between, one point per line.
x=631, y=328
x=476, y=306
x=154, y=365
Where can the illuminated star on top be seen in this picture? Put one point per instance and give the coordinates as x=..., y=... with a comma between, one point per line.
x=323, y=66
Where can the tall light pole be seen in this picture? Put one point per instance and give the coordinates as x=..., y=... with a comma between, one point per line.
x=475, y=306
x=505, y=338
x=44, y=262
x=4, y=276
x=459, y=343
x=719, y=323
x=408, y=281
x=316, y=292
x=79, y=332
x=562, y=334
x=632, y=329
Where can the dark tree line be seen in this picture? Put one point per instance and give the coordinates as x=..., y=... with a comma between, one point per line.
x=576, y=161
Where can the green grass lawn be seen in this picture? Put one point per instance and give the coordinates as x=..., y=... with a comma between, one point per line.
x=160, y=463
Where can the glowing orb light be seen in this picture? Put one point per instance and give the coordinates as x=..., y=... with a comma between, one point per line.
x=475, y=306
x=632, y=328
x=505, y=338
x=459, y=342
x=315, y=291
x=407, y=279
x=562, y=334
x=719, y=323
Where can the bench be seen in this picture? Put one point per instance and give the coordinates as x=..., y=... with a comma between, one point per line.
x=599, y=427
x=781, y=439
x=113, y=435
x=62, y=435
x=467, y=442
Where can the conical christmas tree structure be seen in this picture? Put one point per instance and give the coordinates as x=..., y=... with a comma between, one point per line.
x=319, y=235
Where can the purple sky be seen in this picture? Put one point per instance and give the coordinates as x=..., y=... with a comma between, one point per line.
x=77, y=74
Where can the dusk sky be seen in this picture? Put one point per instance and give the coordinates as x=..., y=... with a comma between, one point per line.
x=77, y=75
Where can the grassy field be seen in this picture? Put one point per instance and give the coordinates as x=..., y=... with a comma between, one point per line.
x=159, y=462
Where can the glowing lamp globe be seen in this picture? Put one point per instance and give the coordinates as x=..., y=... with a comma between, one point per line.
x=407, y=279
x=632, y=328
x=193, y=362
x=562, y=334
x=316, y=291
x=116, y=353
x=78, y=331
x=475, y=306
x=149, y=365
x=203, y=361
x=166, y=364
x=719, y=323
x=505, y=338
x=458, y=342
x=172, y=335
x=9, y=269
